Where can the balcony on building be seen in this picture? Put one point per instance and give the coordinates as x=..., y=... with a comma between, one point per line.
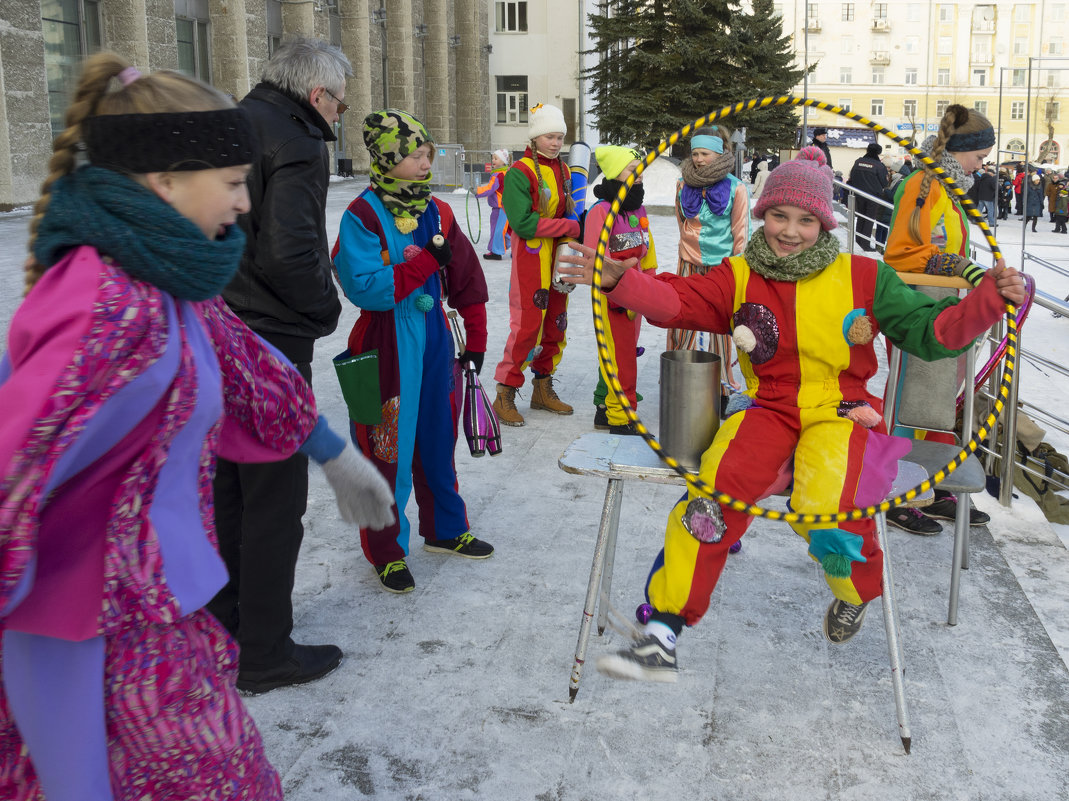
x=812, y=25
x=881, y=24
x=982, y=60
x=880, y=57
x=983, y=26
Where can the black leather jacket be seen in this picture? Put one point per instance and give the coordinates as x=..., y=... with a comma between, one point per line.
x=284, y=289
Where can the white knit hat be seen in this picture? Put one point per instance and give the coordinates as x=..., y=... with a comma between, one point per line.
x=545, y=119
x=503, y=155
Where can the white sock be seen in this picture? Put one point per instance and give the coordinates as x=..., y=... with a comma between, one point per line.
x=662, y=632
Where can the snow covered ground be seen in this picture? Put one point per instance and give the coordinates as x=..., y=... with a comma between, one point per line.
x=460, y=689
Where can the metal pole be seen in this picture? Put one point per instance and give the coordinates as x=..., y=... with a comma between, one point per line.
x=998, y=148
x=1025, y=180
x=805, y=76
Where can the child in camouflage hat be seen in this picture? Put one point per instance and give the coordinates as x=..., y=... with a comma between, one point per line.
x=389, y=266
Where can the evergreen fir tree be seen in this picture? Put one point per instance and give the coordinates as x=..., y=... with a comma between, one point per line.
x=764, y=57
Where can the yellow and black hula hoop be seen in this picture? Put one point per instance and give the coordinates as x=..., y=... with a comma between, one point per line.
x=694, y=482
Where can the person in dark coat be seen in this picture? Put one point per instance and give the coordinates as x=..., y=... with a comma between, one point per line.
x=820, y=139
x=907, y=166
x=284, y=291
x=1005, y=195
x=986, y=188
x=868, y=175
x=1033, y=199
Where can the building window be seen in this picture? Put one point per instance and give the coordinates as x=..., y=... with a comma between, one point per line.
x=1057, y=12
x=909, y=108
x=777, y=10
x=1050, y=112
x=193, y=52
x=981, y=106
x=71, y=32
x=1020, y=46
x=911, y=76
x=1054, y=47
x=511, y=99
x=913, y=12
x=877, y=107
x=913, y=44
x=942, y=77
x=511, y=16
x=1020, y=13
x=879, y=10
x=844, y=103
x=946, y=46
x=845, y=75
x=946, y=12
x=274, y=26
x=878, y=74
x=848, y=12
x=941, y=108
x=1015, y=147
x=979, y=77
x=1017, y=77
x=1052, y=80
x=1017, y=110
x=846, y=45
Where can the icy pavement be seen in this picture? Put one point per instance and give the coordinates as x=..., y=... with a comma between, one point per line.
x=460, y=689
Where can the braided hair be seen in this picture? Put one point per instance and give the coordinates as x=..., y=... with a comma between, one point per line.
x=99, y=93
x=956, y=121
x=569, y=201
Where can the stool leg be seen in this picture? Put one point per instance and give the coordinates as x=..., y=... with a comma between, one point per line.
x=610, y=560
x=961, y=544
x=610, y=515
x=894, y=645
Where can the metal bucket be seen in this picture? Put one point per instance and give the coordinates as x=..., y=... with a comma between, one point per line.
x=690, y=404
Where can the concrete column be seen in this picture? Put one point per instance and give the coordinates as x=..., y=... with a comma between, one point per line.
x=161, y=35
x=299, y=19
x=438, y=78
x=471, y=84
x=356, y=34
x=402, y=60
x=255, y=38
x=25, y=128
x=125, y=31
x=230, y=44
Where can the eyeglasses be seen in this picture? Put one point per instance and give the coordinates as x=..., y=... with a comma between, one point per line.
x=342, y=108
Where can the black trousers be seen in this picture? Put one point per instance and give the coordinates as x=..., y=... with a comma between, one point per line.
x=863, y=224
x=258, y=511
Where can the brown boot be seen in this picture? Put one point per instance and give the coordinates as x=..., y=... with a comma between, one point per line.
x=543, y=396
x=505, y=406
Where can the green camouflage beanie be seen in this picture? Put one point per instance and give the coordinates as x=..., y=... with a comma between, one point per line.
x=391, y=135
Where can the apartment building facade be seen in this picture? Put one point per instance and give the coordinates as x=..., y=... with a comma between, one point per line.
x=902, y=63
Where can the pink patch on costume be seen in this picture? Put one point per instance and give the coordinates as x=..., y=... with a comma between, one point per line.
x=384, y=434
x=411, y=251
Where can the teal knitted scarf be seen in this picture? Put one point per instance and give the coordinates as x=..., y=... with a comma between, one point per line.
x=147, y=238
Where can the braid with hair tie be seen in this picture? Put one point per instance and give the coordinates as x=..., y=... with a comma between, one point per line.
x=955, y=117
x=92, y=87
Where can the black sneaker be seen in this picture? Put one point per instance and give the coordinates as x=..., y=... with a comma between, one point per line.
x=396, y=577
x=465, y=545
x=625, y=430
x=913, y=521
x=601, y=418
x=946, y=508
x=308, y=663
x=492, y=257
x=842, y=621
x=646, y=660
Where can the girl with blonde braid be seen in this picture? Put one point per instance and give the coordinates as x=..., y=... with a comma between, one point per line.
x=126, y=376
x=930, y=234
x=541, y=213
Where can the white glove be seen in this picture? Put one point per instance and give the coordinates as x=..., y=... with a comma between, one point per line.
x=364, y=496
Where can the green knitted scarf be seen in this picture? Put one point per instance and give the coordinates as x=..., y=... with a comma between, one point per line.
x=766, y=263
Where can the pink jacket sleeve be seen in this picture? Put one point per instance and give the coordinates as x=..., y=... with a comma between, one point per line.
x=268, y=408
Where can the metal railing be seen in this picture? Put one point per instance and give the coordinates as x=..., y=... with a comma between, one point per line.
x=1002, y=453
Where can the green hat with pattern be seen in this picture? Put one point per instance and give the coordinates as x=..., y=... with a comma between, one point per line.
x=391, y=135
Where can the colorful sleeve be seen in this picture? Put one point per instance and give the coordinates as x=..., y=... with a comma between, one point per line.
x=909, y=318
x=467, y=282
x=902, y=252
x=595, y=221
x=740, y=220
x=268, y=408
x=362, y=263
x=696, y=302
x=649, y=261
x=517, y=200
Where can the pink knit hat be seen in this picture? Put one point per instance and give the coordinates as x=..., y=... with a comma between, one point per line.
x=805, y=182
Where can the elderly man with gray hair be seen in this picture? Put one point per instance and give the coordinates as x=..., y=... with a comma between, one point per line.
x=284, y=292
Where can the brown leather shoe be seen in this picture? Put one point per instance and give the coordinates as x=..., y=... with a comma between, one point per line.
x=505, y=406
x=543, y=396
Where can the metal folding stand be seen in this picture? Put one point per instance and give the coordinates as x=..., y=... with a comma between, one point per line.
x=619, y=459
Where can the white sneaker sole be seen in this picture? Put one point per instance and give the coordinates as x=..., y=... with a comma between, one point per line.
x=618, y=667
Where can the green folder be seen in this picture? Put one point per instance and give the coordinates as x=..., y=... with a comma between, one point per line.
x=359, y=379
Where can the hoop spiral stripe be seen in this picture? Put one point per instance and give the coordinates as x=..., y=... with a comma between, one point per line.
x=694, y=482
